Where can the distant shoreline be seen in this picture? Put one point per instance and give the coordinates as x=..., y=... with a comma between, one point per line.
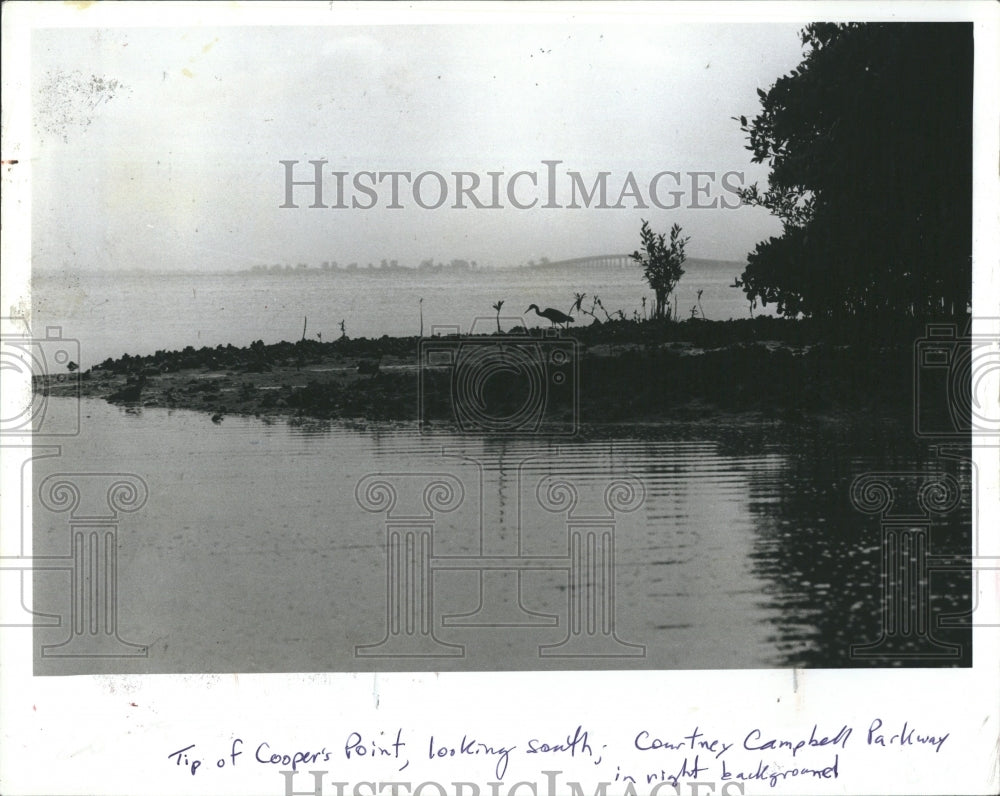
x=627, y=372
x=368, y=269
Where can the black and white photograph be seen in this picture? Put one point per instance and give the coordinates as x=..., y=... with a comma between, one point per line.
x=550, y=361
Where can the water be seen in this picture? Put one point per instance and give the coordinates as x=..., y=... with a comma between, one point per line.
x=254, y=554
x=114, y=314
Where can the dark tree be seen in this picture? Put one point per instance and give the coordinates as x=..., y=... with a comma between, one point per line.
x=869, y=141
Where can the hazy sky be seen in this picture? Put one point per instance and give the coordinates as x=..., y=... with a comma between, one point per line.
x=160, y=148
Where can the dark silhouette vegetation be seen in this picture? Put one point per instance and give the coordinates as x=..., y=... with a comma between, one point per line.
x=629, y=370
x=869, y=141
x=662, y=264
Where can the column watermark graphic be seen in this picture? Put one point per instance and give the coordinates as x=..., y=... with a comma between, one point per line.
x=956, y=408
x=94, y=503
x=907, y=562
x=586, y=563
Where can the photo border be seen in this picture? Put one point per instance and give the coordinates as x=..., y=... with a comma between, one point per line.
x=113, y=734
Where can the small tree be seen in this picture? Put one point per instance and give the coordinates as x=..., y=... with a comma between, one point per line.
x=661, y=264
x=498, y=306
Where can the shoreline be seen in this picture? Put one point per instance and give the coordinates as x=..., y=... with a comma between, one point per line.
x=625, y=372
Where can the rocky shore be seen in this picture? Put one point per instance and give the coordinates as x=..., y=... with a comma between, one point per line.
x=618, y=372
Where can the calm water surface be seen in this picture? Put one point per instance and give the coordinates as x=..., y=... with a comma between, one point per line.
x=254, y=554
x=111, y=315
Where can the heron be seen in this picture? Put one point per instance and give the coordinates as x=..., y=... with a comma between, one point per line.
x=553, y=315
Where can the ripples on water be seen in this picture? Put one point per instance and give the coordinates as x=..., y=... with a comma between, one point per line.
x=253, y=554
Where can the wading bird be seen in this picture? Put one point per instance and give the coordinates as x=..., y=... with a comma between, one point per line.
x=553, y=315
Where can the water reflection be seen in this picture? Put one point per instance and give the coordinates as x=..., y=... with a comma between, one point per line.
x=823, y=558
x=743, y=548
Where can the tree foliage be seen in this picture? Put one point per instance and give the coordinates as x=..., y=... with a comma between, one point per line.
x=661, y=264
x=869, y=141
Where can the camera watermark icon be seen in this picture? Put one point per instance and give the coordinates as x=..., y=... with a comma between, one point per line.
x=16, y=561
x=587, y=563
x=955, y=382
x=910, y=505
x=504, y=384
x=31, y=366
x=94, y=503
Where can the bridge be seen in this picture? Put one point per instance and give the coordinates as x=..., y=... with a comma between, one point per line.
x=604, y=261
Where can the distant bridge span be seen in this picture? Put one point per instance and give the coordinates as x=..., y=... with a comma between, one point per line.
x=593, y=261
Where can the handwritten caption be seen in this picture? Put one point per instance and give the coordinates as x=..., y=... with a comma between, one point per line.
x=654, y=756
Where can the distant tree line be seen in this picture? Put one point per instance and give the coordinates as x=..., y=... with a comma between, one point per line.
x=869, y=141
x=384, y=266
